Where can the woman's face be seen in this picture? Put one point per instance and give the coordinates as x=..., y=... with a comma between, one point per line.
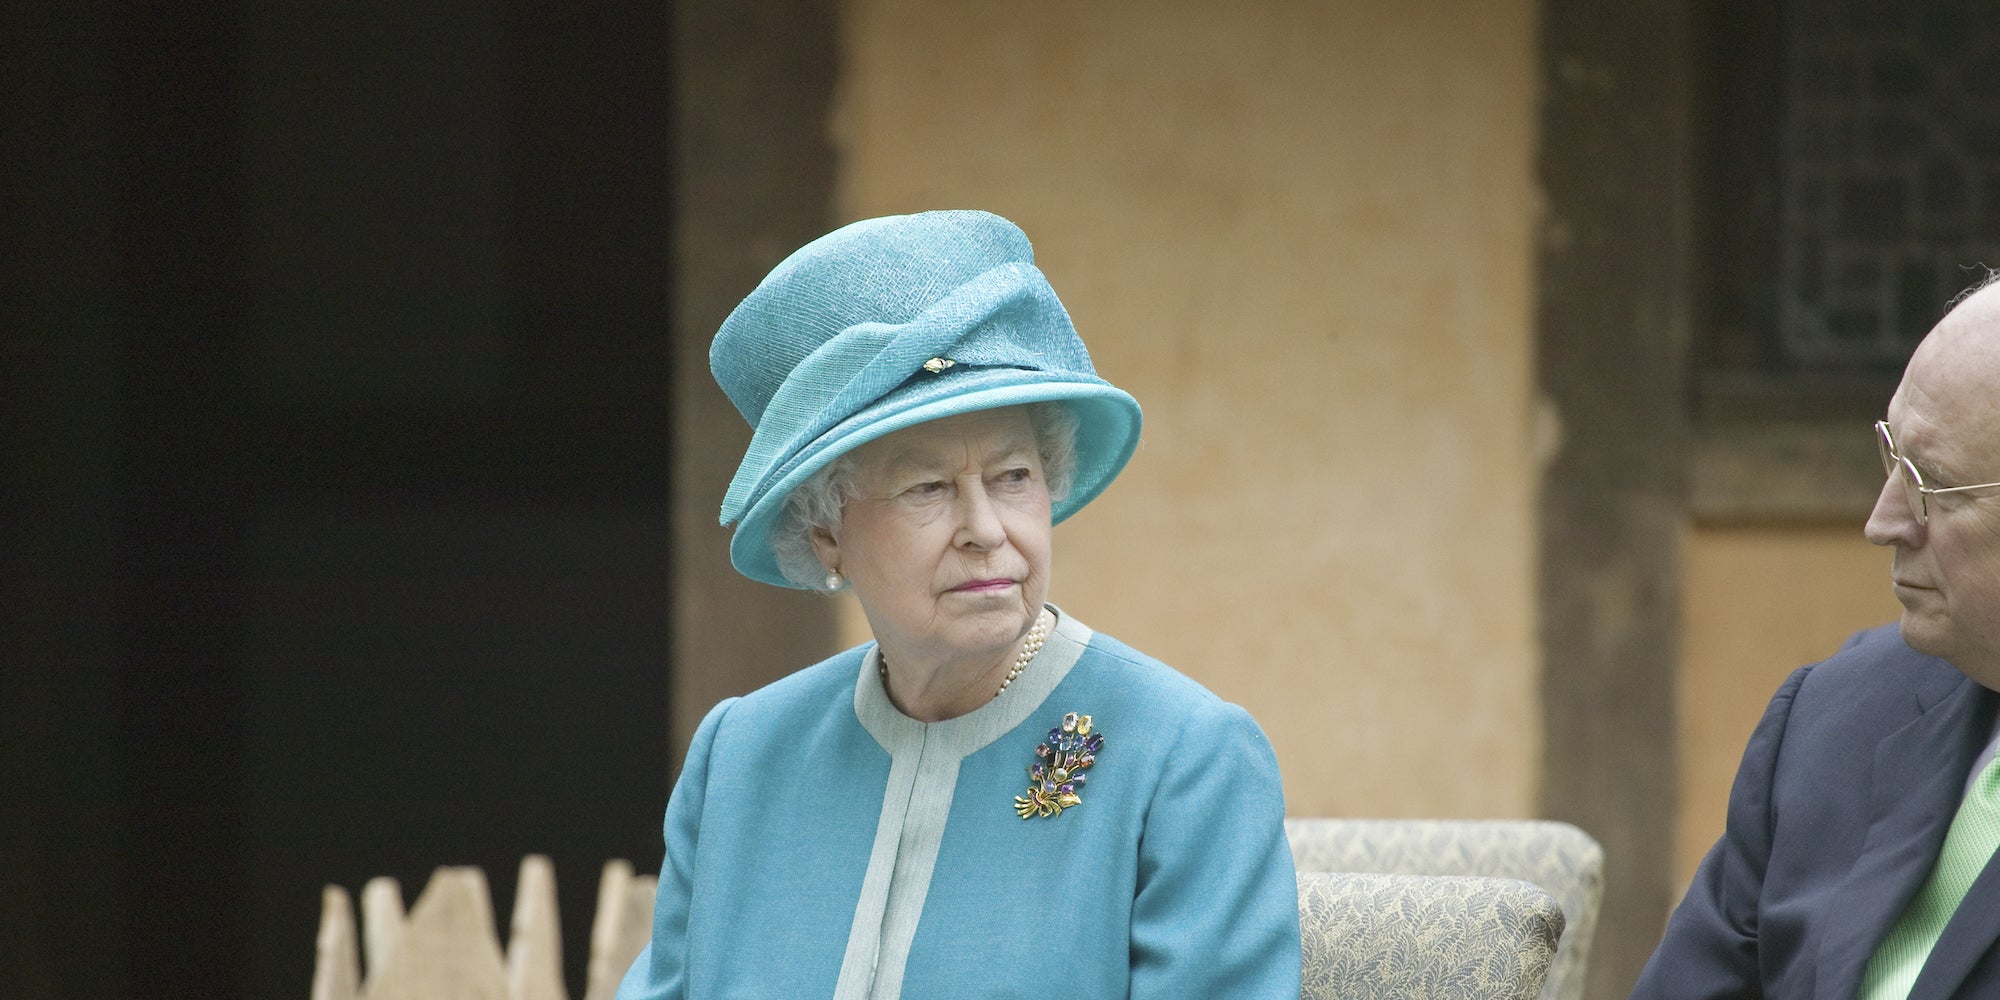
x=946, y=540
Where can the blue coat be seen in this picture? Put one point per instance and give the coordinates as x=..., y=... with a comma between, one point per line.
x=1839, y=808
x=1171, y=879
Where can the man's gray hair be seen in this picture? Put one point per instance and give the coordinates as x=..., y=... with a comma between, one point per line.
x=818, y=501
x=1991, y=277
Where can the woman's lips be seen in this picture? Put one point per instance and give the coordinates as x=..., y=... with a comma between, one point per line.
x=982, y=586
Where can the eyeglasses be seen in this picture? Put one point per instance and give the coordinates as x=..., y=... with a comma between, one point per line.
x=1896, y=466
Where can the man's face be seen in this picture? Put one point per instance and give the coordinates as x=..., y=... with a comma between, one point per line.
x=1945, y=417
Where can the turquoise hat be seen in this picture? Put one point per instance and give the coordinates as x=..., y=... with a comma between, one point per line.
x=888, y=323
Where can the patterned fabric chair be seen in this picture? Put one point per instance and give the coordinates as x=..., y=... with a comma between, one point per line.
x=1367, y=936
x=1556, y=856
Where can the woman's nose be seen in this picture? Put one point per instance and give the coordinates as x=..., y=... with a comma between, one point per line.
x=978, y=518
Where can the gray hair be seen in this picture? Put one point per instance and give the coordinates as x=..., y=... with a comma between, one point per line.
x=1991, y=277
x=817, y=502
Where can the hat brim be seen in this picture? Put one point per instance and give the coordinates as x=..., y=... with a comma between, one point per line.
x=1108, y=421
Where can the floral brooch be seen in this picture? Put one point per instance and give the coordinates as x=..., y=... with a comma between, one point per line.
x=1070, y=750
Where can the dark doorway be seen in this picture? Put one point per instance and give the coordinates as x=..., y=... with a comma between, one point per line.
x=335, y=538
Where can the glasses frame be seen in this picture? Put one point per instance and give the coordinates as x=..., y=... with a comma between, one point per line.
x=1914, y=490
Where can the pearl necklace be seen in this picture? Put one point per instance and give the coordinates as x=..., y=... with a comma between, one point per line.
x=1037, y=635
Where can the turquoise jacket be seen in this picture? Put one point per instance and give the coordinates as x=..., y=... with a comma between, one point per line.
x=822, y=844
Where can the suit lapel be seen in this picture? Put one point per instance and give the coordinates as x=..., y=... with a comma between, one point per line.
x=1972, y=930
x=1915, y=783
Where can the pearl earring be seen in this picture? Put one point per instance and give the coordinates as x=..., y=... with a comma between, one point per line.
x=834, y=580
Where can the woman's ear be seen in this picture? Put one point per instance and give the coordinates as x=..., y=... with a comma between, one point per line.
x=826, y=547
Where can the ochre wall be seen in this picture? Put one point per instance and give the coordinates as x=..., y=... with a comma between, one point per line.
x=1758, y=602
x=1302, y=236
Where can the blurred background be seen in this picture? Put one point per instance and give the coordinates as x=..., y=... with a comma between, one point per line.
x=1507, y=367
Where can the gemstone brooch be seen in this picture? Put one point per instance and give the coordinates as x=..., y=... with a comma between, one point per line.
x=1058, y=772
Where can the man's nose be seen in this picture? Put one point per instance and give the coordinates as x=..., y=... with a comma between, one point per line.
x=1893, y=522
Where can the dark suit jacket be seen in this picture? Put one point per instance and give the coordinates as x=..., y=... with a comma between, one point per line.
x=1836, y=817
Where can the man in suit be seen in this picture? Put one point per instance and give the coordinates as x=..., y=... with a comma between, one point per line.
x=1855, y=861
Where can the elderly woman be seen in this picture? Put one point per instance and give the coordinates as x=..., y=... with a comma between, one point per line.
x=990, y=799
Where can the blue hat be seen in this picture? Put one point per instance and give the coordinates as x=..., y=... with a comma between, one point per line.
x=892, y=322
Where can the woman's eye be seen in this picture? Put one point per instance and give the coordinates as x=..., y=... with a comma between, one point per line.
x=927, y=489
x=1021, y=475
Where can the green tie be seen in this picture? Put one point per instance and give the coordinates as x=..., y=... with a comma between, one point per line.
x=1974, y=835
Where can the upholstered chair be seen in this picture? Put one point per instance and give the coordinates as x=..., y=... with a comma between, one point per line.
x=1377, y=937
x=1556, y=856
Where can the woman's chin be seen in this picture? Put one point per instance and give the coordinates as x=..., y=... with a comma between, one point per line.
x=981, y=630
